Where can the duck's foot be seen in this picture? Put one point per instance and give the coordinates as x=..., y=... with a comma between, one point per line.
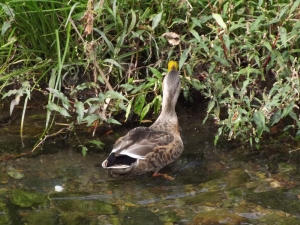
x=163, y=175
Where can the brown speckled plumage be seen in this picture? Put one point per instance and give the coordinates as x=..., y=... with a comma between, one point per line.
x=148, y=149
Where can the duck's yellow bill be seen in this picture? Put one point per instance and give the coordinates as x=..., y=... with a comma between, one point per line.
x=172, y=65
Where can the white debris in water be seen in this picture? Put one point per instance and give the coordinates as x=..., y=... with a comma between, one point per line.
x=58, y=188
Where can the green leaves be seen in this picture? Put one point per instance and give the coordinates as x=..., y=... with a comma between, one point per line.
x=276, y=117
x=97, y=143
x=54, y=107
x=128, y=109
x=283, y=37
x=145, y=111
x=156, y=20
x=65, y=102
x=183, y=57
x=225, y=56
x=6, y=25
x=254, y=26
x=196, y=35
x=242, y=59
x=139, y=104
x=61, y=96
x=25, y=89
x=84, y=150
x=79, y=106
x=90, y=119
x=294, y=6
x=219, y=20
x=259, y=119
x=111, y=120
x=115, y=95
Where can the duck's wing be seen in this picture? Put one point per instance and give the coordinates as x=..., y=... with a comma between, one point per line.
x=138, y=142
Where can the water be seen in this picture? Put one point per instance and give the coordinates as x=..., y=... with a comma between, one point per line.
x=222, y=184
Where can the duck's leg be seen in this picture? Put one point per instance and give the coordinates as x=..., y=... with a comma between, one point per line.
x=156, y=174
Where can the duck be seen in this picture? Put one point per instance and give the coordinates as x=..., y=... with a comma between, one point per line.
x=149, y=149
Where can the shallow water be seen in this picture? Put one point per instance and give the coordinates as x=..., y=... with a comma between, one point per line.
x=221, y=184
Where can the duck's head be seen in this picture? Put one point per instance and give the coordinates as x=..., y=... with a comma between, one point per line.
x=172, y=65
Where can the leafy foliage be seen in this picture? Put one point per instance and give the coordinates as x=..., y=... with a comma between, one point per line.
x=252, y=67
x=243, y=56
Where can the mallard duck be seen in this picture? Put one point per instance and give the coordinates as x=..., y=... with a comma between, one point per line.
x=148, y=149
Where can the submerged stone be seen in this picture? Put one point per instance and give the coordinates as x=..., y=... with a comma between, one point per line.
x=26, y=199
x=15, y=174
x=4, y=216
x=275, y=199
x=221, y=216
x=71, y=218
x=274, y=218
x=4, y=178
x=286, y=167
x=207, y=199
x=168, y=216
x=86, y=206
x=236, y=178
x=48, y=217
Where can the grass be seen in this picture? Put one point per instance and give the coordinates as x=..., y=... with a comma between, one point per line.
x=243, y=56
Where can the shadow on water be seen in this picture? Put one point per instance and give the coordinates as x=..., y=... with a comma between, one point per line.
x=213, y=184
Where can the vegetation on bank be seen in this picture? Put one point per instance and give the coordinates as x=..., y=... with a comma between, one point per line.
x=100, y=58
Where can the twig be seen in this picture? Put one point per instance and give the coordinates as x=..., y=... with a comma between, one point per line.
x=48, y=136
x=269, y=56
x=75, y=28
x=14, y=156
x=225, y=50
x=294, y=150
x=103, y=76
x=211, y=8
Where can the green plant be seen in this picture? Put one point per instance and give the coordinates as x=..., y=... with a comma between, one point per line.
x=252, y=66
x=118, y=42
x=243, y=56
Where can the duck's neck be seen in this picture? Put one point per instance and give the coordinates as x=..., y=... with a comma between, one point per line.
x=168, y=113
